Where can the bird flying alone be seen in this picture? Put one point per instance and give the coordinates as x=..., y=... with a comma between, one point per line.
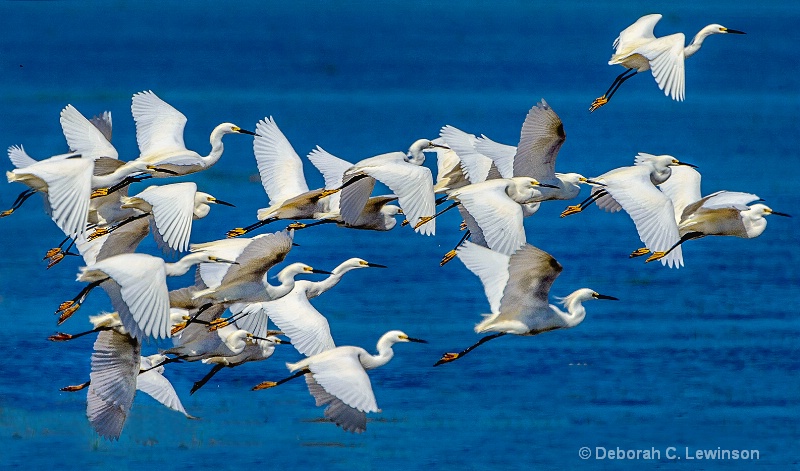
x=638, y=50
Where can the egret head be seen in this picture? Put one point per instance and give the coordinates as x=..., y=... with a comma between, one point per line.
x=205, y=198
x=394, y=336
x=719, y=29
x=230, y=128
x=581, y=295
x=764, y=210
x=416, y=154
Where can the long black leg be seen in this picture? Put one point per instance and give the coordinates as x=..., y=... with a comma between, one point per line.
x=618, y=81
x=425, y=219
x=202, y=382
x=18, y=202
x=244, y=230
x=686, y=237
x=449, y=255
x=67, y=308
x=448, y=357
x=61, y=336
x=272, y=384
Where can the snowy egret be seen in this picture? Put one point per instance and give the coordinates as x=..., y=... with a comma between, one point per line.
x=118, y=370
x=638, y=50
x=495, y=207
x=66, y=186
x=294, y=315
x=142, y=301
x=518, y=288
x=720, y=213
x=634, y=190
x=282, y=177
x=402, y=173
x=377, y=214
x=259, y=350
x=159, y=134
x=173, y=207
x=338, y=379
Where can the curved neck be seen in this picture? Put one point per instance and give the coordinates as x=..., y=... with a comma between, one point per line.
x=216, y=146
x=659, y=176
x=287, y=281
x=574, y=315
x=385, y=353
x=697, y=41
x=184, y=264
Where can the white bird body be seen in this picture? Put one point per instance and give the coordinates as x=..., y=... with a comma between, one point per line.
x=376, y=215
x=338, y=379
x=282, y=177
x=247, y=277
x=159, y=134
x=297, y=318
x=142, y=301
x=517, y=287
x=66, y=186
x=117, y=371
x=634, y=189
x=403, y=174
x=496, y=206
x=637, y=49
x=172, y=207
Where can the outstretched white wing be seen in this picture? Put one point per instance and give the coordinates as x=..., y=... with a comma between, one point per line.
x=498, y=216
x=84, y=137
x=490, y=267
x=634, y=34
x=682, y=188
x=153, y=383
x=666, y=63
x=650, y=209
x=343, y=376
x=279, y=166
x=349, y=418
x=115, y=365
x=332, y=169
x=475, y=165
x=173, y=212
x=501, y=154
x=159, y=126
x=540, y=140
x=413, y=185
x=294, y=315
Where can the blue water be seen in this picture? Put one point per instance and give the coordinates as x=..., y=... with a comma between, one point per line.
x=704, y=357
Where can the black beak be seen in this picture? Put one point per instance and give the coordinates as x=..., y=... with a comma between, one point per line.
x=376, y=265
x=412, y=339
x=244, y=131
x=321, y=272
x=603, y=296
x=222, y=260
x=439, y=146
x=781, y=214
x=594, y=182
x=688, y=165
x=224, y=203
x=546, y=185
x=734, y=31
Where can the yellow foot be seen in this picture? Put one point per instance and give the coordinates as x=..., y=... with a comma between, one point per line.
x=447, y=358
x=571, y=210
x=60, y=337
x=99, y=232
x=99, y=192
x=52, y=253
x=463, y=226
x=639, y=252
x=64, y=305
x=67, y=313
x=597, y=103
x=236, y=232
x=296, y=225
x=5, y=213
x=404, y=223
x=447, y=257
x=177, y=328
x=329, y=192
x=74, y=388
x=422, y=221
x=264, y=385
x=656, y=256
x=217, y=324
x=55, y=259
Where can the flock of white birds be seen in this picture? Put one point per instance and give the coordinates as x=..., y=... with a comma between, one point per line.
x=493, y=186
